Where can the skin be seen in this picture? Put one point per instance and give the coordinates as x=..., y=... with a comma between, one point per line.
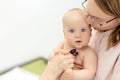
x=95, y=11
x=77, y=34
x=57, y=60
x=76, y=31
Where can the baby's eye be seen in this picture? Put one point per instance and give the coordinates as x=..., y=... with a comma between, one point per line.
x=83, y=30
x=71, y=30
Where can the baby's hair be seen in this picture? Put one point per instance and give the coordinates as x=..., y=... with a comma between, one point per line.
x=76, y=11
x=80, y=13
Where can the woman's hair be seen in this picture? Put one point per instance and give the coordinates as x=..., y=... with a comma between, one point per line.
x=111, y=7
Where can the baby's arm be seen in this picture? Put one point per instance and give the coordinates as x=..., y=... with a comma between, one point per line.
x=89, y=67
x=67, y=74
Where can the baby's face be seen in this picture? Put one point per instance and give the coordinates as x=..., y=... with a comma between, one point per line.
x=76, y=31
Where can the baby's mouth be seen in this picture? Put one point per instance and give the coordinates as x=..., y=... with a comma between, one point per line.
x=78, y=41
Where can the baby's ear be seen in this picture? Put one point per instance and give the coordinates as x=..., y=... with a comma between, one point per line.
x=64, y=37
x=64, y=34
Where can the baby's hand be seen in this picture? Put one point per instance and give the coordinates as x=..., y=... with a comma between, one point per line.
x=67, y=75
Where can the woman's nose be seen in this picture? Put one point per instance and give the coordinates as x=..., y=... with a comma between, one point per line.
x=89, y=20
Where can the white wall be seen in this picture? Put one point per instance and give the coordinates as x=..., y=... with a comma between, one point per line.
x=30, y=28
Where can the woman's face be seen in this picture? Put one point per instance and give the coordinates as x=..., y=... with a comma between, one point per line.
x=96, y=17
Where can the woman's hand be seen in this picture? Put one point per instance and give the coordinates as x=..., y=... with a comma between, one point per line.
x=61, y=61
x=57, y=65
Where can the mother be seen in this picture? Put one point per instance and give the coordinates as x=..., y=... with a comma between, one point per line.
x=104, y=16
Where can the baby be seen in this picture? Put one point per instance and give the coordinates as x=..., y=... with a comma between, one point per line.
x=77, y=35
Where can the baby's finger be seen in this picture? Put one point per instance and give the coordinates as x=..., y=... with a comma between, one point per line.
x=65, y=52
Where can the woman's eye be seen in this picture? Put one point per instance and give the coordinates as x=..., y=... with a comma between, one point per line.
x=71, y=30
x=83, y=30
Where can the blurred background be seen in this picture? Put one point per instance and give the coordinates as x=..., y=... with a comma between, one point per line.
x=30, y=29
